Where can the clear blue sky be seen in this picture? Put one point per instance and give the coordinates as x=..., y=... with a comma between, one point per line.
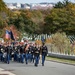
x=33, y=1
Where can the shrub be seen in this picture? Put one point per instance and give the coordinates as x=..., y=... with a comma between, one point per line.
x=61, y=42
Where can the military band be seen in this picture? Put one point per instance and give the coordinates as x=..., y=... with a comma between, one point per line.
x=23, y=53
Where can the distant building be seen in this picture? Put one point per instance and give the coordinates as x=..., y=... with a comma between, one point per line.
x=11, y=6
x=22, y=6
x=25, y=6
x=18, y=5
x=41, y=6
x=32, y=6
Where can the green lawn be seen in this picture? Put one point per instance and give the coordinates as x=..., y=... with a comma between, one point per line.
x=61, y=60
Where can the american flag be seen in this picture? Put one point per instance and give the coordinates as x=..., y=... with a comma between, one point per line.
x=7, y=35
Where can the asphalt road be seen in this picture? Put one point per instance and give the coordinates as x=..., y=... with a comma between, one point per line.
x=50, y=68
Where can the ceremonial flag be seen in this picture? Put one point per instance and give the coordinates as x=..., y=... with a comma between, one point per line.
x=11, y=35
x=7, y=35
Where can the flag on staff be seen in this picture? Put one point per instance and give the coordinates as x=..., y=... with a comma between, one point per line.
x=11, y=35
x=7, y=35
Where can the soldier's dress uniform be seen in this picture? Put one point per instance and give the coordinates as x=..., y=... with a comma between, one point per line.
x=1, y=52
x=15, y=53
x=21, y=54
x=7, y=50
x=36, y=55
x=44, y=52
x=26, y=53
x=18, y=53
x=32, y=53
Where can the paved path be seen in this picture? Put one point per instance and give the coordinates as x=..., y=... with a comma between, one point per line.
x=3, y=72
x=50, y=68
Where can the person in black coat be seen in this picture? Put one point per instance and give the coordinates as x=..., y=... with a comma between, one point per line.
x=7, y=51
x=44, y=52
x=36, y=55
x=21, y=54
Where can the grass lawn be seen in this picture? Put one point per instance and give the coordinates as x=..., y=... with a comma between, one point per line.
x=72, y=62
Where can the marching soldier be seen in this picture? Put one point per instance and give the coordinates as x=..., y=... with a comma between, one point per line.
x=32, y=52
x=26, y=53
x=36, y=55
x=1, y=52
x=44, y=52
x=7, y=51
x=21, y=54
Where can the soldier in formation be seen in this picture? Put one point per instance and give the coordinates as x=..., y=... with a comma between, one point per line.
x=23, y=52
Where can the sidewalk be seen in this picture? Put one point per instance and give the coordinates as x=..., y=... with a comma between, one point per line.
x=3, y=72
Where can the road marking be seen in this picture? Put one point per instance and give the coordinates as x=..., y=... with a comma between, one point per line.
x=5, y=72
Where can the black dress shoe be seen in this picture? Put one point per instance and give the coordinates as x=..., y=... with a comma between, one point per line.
x=42, y=64
x=36, y=65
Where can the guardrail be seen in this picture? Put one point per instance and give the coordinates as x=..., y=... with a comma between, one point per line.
x=62, y=56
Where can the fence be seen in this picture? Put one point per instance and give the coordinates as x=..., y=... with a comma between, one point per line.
x=47, y=39
x=46, y=36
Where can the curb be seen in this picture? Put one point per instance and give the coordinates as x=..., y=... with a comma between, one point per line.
x=61, y=62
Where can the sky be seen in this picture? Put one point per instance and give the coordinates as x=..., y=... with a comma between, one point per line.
x=33, y=1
